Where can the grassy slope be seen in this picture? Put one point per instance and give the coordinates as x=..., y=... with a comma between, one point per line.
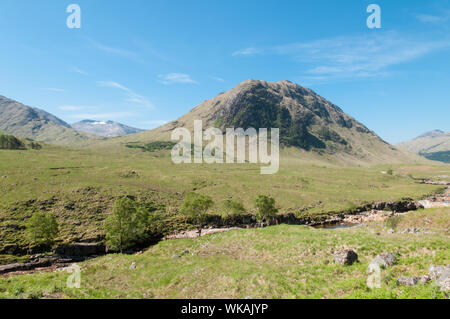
x=275, y=262
x=79, y=186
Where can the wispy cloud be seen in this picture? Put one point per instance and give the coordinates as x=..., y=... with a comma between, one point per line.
x=53, y=89
x=172, y=78
x=435, y=19
x=125, y=53
x=216, y=78
x=247, y=51
x=102, y=116
x=77, y=70
x=357, y=56
x=131, y=96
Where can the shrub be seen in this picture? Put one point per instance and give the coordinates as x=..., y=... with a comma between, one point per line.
x=195, y=207
x=390, y=171
x=234, y=207
x=392, y=222
x=266, y=208
x=126, y=225
x=42, y=228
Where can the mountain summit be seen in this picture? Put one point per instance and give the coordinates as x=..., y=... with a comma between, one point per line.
x=306, y=121
x=105, y=128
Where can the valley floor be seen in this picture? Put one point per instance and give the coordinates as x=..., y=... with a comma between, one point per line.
x=275, y=262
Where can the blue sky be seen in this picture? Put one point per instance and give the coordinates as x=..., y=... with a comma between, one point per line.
x=146, y=62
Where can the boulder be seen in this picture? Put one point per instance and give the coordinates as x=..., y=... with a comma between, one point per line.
x=133, y=265
x=437, y=272
x=345, y=257
x=441, y=275
x=386, y=259
x=408, y=281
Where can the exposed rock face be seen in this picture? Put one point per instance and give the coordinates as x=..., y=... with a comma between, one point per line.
x=24, y=266
x=81, y=249
x=441, y=275
x=345, y=257
x=384, y=260
x=305, y=120
x=408, y=281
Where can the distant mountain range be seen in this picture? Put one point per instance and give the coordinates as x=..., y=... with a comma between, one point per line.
x=33, y=123
x=105, y=128
x=306, y=120
x=434, y=145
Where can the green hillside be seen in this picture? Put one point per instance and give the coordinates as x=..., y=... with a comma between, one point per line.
x=27, y=122
x=306, y=121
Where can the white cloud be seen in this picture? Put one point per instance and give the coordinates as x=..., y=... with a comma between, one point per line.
x=216, y=78
x=128, y=54
x=53, y=89
x=172, y=78
x=77, y=70
x=247, y=51
x=131, y=96
x=358, y=56
x=435, y=19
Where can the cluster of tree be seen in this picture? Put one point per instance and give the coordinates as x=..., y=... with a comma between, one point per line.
x=9, y=142
x=42, y=229
x=196, y=206
x=130, y=224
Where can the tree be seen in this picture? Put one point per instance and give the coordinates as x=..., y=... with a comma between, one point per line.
x=126, y=225
x=266, y=208
x=42, y=228
x=195, y=207
x=234, y=207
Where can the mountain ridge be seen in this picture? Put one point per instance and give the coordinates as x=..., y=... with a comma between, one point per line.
x=34, y=123
x=306, y=120
x=104, y=128
x=434, y=145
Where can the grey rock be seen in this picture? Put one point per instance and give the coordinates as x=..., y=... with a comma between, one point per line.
x=390, y=231
x=444, y=284
x=133, y=265
x=424, y=279
x=176, y=256
x=408, y=281
x=437, y=272
x=388, y=258
x=345, y=257
x=185, y=252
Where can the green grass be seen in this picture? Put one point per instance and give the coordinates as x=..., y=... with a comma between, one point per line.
x=79, y=186
x=275, y=262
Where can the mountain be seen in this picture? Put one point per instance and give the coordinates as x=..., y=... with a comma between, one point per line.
x=306, y=120
x=104, y=128
x=434, y=145
x=33, y=123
